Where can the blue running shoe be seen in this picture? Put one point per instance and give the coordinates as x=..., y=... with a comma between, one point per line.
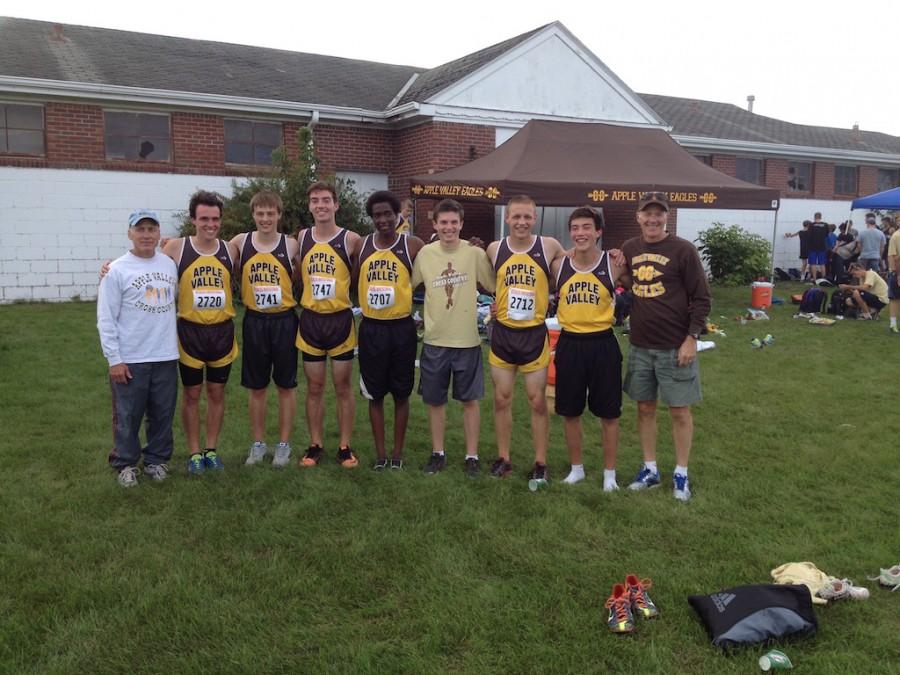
x=211, y=461
x=682, y=487
x=196, y=465
x=645, y=479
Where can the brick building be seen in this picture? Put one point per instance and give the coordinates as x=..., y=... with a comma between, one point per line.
x=96, y=122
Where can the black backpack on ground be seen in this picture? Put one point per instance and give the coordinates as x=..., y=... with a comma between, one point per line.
x=838, y=304
x=813, y=302
x=758, y=613
x=781, y=275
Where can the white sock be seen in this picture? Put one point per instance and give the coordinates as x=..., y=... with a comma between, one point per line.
x=609, y=480
x=576, y=475
x=682, y=470
x=651, y=466
x=470, y=456
x=893, y=321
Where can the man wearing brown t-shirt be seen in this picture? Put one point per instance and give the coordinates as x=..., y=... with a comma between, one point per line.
x=670, y=303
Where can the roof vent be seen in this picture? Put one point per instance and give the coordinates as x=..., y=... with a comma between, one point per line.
x=750, y=100
x=856, y=126
x=57, y=35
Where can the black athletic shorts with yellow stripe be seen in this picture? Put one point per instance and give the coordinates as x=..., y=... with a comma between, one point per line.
x=525, y=349
x=211, y=345
x=322, y=335
x=270, y=349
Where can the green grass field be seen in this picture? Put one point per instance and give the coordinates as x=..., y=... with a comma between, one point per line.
x=328, y=570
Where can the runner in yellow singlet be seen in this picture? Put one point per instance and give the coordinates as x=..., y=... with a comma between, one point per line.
x=519, y=336
x=326, y=321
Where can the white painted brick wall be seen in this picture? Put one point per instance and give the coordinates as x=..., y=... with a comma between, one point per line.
x=790, y=219
x=58, y=226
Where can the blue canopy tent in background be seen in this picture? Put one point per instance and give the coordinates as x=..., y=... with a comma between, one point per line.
x=889, y=199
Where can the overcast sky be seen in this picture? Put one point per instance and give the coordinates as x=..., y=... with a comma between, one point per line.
x=804, y=61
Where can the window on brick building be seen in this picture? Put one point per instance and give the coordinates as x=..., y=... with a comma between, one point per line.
x=799, y=177
x=845, y=180
x=887, y=179
x=21, y=129
x=137, y=136
x=249, y=142
x=750, y=170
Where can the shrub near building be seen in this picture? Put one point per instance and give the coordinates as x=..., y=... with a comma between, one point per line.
x=732, y=255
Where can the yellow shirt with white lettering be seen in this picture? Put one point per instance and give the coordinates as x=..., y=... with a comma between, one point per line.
x=586, y=297
x=204, y=284
x=266, y=277
x=523, y=290
x=384, y=279
x=325, y=272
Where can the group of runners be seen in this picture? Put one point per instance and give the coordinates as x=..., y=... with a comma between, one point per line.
x=156, y=307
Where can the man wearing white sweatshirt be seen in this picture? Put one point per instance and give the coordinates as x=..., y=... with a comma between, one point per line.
x=136, y=321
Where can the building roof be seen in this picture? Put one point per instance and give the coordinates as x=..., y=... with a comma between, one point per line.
x=709, y=119
x=437, y=79
x=47, y=51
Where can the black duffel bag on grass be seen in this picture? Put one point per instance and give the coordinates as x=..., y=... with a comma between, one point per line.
x=752, y=614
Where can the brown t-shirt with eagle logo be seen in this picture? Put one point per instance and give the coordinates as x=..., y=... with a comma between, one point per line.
x=670, y=293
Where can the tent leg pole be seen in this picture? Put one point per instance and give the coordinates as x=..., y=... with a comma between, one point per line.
x=774, y=240
x=502, y=222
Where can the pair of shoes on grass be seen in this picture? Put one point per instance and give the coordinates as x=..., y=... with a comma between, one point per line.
x=128, y=476
x=259, y=450
x=539, y=474
x=627, y=601
x=313, y=456
x=647, y=479
x=438, y=461
x=382, y=463
x=842, y=589
x=201, y=462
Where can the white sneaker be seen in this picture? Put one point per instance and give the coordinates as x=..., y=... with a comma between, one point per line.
x=282, y=455
x=257, y=453
x=574, y=477
x=128, y=476
x=681, y=489
x=158, y=472
x=610, y=486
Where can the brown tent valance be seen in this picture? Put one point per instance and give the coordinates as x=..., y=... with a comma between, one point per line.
x=573, y=163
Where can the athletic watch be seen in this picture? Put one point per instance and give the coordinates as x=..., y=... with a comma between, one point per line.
x=696, y=336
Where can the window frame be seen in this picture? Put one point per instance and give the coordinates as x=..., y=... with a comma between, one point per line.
x=855, y=191
x=760, y=162
x=253, y=144
x=5, y=129
x=138, y=136
x=809, y=183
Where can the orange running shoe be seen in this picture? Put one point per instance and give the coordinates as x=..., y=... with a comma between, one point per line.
x=620, y=620
x=346, y=458
x=640, y=601
x=312, y=456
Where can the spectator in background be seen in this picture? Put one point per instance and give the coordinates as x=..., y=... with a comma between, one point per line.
x=871, y=241
x=870, y=293
x=818, y=234
x=831, y=242
x=845, y=252
x=803, y=233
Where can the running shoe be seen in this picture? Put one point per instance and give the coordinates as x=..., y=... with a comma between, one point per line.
x=128, y=476
x=472, y=467
x=681, y=489
x=380, y=464
x=435, y=464
x=620, y=619
x=346, y=458
x=312, y=457
x=195, y=464
x=888, y=577
x=158, y=472
x=396, y=464
x=641, y=603
x=894, y=329
x=501, y=468
x=842, y=589
x=282, y=456
x=645, y=479
x=257, y=453
x=212, y=461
